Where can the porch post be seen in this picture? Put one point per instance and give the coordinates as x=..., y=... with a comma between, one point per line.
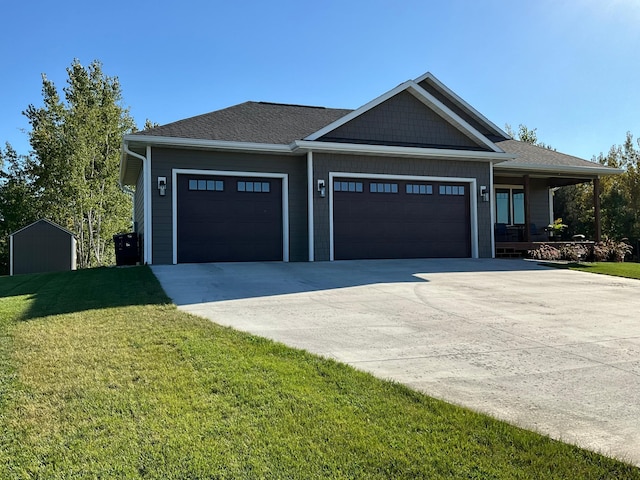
x=527, y=210
x=596, y=208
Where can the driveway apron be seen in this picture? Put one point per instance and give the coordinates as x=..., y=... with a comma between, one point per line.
x=551, y=350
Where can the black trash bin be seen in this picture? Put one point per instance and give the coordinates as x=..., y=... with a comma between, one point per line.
x=127, y=252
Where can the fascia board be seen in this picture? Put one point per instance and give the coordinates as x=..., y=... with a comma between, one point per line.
x=356, y=113
x=452, y=117
x=153, y=140
x=457, y=99
x=555, y=169
x=356, y=148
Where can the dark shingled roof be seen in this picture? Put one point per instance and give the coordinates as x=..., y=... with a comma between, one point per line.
x=255, y=122
x=533, y=155
x=281, y=124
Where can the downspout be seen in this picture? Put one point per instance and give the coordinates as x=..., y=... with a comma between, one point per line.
x=310, y=222
x=146, y=186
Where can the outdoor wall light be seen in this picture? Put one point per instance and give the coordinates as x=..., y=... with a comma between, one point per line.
x=484, y=193
x=162, y=186
x=321, y=188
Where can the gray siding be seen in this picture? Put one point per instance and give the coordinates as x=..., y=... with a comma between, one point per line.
x=462, y=113
x=42, y=247
x=402, y=120
x=163, y=160
x=325, y=163
x=538, y=197
x=539, y=202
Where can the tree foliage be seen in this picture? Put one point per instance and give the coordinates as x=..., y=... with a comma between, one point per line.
x=619, y=197
x=71, y=175
x=17, y=205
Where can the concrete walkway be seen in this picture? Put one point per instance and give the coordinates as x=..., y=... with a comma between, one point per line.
x=551, y=350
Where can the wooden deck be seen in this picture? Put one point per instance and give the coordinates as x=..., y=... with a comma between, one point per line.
x=519, y=249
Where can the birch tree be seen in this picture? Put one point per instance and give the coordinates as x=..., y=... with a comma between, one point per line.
x=75, y=139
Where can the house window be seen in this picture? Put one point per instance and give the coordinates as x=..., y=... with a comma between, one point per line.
x=414, y=189
x=451, y=190
x=254, y=187
x=383, y=187
x=339, y=186
x=510, y=206
x=206, y=185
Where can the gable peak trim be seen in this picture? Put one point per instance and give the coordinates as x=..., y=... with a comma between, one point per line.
x=457, y=99
x=427, y=99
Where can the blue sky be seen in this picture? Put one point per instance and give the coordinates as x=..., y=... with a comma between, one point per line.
x=569, y=68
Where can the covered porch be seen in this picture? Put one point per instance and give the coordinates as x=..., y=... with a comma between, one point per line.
x=523, y=210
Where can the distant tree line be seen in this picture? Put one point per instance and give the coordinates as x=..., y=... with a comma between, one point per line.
x=71, y=174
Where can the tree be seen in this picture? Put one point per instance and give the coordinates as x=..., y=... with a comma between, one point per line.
x=75, y=159
x=526, y=135
x=17, y=205
x=619, y=197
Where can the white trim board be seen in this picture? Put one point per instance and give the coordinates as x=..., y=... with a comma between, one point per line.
x=423, y=96
x=223, y=173
x=473, y=201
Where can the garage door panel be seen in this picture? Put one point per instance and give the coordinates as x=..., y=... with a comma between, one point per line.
x=229, y=225
x=401, y=224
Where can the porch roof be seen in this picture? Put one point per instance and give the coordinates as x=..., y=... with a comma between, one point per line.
x=534, y=159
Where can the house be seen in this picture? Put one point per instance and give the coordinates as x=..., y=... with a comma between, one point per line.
x=416, y=172
x=41, y=247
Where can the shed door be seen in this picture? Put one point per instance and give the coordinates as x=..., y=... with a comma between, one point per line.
x=229, y=219
x=400, y=219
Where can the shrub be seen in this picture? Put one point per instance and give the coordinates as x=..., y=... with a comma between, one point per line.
x=574, y=252
x=606, y=251
x=611, y=251
x=545, y=252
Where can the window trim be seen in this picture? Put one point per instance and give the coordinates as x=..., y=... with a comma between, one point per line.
x=511, y=188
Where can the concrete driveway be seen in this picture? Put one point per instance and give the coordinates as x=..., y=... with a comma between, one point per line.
x=551, y=350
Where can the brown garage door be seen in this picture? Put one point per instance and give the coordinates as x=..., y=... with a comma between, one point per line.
x=400, y=219
x=229, y=219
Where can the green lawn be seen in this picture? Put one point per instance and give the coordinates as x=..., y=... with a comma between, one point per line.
x=624, y=269
x=101, y=377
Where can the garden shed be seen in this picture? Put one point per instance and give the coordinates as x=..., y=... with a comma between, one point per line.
x=42, y=247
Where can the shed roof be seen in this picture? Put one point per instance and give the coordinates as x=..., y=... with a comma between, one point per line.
x=42, y=220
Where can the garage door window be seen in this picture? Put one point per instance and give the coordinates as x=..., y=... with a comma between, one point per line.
x=413, y=189
x=451, y=190
x=347, y=187
x=255, y=187
x=206, y=185
x=383, y=188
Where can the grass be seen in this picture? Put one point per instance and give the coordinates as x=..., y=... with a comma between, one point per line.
x=623, y=269
x=101, y=377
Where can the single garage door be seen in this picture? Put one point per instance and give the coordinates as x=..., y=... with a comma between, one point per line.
x=228, y=219
x=400, y=219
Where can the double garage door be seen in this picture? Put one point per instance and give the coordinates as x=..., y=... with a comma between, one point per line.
x=235, y=219
x=380, y=218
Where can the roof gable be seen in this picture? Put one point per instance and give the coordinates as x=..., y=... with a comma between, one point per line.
x=43, y=221
x=456, y=104
x=442, y=126
x=402, y=120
